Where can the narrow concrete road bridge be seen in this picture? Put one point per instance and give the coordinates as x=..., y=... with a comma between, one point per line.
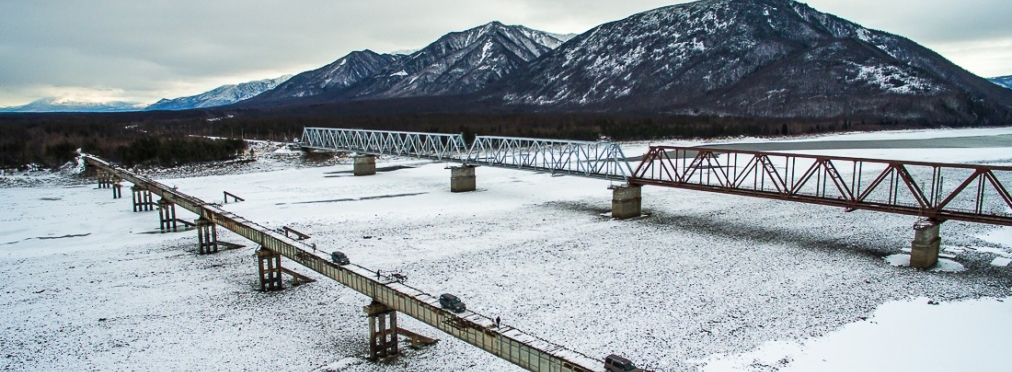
x=388, y=292
x=934, y=192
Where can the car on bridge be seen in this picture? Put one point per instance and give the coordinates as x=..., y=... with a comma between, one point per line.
x=339, y=258
x=615, y=363
x=451, y=302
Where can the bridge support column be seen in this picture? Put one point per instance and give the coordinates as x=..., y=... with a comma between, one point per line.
x=104, y=179
x=626, y=201
x=166, y=215
x=924, y=247
x=462, y=178
x=207, y=236
x=142, y=199
x=270, y=270
x=365, y=165
x=382, y=330
x=117, y=189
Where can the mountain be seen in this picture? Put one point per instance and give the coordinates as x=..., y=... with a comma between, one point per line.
x=335, y=77
x=755, y=58
x=220, y=96
x=457, y=63
x=1005, y=81
x=67, y=105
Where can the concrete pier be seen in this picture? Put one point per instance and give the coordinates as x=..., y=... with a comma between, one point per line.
x=626, y=201
x=207, y=236
x=270, y=270
x=166, y=215
x=382, y=331
x=142, y=199
x=462, y=178
x=365, y=165
x=924, y=247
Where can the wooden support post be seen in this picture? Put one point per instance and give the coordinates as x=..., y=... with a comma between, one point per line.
x=166, y=215
x=103, y=179
x=207, y=236
x=270, y=270
x=142, y=199
x=382, y=330
x=117, y=190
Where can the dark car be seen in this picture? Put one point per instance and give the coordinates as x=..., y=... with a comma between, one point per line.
x=449, y=301
x=339, y=258
x=616, y=363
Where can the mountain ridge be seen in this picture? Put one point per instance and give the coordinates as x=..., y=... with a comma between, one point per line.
x=220, y=96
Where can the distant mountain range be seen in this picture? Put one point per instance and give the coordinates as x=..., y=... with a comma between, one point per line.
x=1005, y=81
x=741, y=58
x=65, y=105
x=748, y=58
x=458, y=63
x=220, y=96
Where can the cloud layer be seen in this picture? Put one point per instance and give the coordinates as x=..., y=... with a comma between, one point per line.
x=146, y=50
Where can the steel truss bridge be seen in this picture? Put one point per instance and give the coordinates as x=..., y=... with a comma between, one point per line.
x=578, y=158
x=938, y=191
x=511, y=344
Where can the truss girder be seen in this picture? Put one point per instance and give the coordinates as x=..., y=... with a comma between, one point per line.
x=913, y=188
x=434, y=146
x=579, y=158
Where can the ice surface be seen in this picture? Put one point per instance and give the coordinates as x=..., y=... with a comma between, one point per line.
x=702, y=275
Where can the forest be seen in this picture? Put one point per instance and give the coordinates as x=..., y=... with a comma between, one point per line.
x=168, y=139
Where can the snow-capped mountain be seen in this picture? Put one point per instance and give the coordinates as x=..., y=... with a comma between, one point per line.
x=69, y=105
x=457, y=63
x=766, y=58
x=335, y=77
x=220, y=96
x=1005, y=81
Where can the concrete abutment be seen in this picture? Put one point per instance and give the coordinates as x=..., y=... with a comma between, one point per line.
x=924, y=248
x=365, y=165
x=462, y=178
x=626, y=201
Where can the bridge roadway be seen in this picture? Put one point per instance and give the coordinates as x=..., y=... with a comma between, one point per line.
x=511, y=344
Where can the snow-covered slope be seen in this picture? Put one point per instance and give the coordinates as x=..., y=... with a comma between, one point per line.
x=457, y=63
x=1005, y=81
x=221, y=96
x=774, y=58
x=67, y=105
x=335, y=77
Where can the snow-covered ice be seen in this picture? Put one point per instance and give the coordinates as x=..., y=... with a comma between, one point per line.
x=703, y=281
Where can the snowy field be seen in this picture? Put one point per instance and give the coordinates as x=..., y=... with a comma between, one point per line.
x=703, y=282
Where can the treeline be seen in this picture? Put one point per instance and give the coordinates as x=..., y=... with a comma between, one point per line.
x=53, y=140
x=166, y=138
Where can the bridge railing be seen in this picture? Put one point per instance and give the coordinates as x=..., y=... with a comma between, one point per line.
x=580, y=158
x=436, y=146
x=973, y=193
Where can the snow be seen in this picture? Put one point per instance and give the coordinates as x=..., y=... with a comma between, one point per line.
x=914, y=335
x=702, y=281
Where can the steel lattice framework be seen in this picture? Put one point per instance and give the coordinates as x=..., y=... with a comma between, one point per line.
x=411, y=144
x=588, y=159
x=973, y=193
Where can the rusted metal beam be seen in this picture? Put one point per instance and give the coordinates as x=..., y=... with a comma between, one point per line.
x=903, y=187
x=510, y=344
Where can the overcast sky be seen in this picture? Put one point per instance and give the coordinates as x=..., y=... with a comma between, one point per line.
x=142, y=51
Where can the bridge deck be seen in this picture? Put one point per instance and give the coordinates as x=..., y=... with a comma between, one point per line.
x=506, y=342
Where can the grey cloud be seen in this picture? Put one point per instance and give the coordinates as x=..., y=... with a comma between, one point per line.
x=162, y=47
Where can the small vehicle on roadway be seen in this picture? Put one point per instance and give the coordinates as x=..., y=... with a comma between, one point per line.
x=616, y=363
x=451, y=302
x=339, y=258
